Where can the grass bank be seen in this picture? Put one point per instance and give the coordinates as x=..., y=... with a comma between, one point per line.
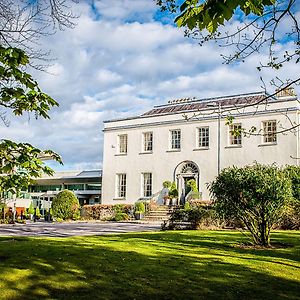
x=160, y=265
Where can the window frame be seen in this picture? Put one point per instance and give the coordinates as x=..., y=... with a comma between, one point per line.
x=233, y=140
x=121, y=185
x=147, y=186
x=203, y=139
x=120, y=148
x=266, y=135
x=172, y=144
x=149, y=142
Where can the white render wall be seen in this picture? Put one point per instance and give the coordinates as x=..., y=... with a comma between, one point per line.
x=162, y=162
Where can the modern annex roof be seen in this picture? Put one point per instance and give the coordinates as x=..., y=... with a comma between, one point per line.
x=71, y=176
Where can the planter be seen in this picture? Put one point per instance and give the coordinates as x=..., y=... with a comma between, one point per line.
x=139, y=215
x=174, y=201
x=167, y=201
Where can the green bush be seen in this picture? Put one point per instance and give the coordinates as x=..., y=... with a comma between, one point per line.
x=31, y=209
x=254, y=195
x=167, y=184
x=193, y=185
x=195, y=216
x=120, y=217
x=65, y=206
x=173, y=193
x=118, y=208
x=105, y=211
x=187, y=205
x=37, y=212
x=139, y=207
x=121, y=212
x=293, y=172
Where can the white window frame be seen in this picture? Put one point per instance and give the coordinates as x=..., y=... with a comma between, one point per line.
x=234, y=140
x=121, y=183
x=175, y=141
x=122, y=144
x=203, y=137
x=147, y=184
x=269, y=128
x=147, y=145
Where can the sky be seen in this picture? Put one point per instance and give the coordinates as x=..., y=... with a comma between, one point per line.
x=122, y=58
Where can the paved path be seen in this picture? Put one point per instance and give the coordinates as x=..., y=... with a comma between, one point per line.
x=74, y=228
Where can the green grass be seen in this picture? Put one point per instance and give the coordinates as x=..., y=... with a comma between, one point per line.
x=160, y=265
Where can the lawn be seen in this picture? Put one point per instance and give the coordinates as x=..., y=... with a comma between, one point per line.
x=158, y=265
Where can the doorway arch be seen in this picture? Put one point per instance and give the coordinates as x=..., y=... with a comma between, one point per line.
x=184, y=172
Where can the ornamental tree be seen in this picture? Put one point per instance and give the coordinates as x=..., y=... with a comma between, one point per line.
x=65, y=206
x=31, y=209
x=20, y=93
x=22, y=24
x=255, y=195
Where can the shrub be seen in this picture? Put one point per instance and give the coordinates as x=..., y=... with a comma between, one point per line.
x=173, y=193
x=97, y=212
x=120, y=217
x=290, y=218
x=106, y=212
x=193, y=185
x=167, y=184
x=65, y=206
x=31, y=209
x=195, y=216
x=118, y=208
x=254, y=195
x=187, y=205
x=37, y=212
x=121, y=212
x=139, y=207
x=293, y=172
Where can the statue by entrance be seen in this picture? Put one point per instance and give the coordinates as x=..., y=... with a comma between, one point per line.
x=184, y=172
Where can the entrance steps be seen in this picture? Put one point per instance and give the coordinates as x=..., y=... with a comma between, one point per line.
x=159, y=213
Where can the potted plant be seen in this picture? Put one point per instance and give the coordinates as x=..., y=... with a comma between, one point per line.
x=31, y=211
x=37, y=213
x=173, y=194
x=139, y=210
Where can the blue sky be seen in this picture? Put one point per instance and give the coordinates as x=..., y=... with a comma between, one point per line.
x=122, y=58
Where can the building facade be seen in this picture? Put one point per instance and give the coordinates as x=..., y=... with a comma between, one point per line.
x=195, y=139
x=86, y=185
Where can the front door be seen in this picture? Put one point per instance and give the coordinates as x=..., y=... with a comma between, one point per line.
x=187, y=188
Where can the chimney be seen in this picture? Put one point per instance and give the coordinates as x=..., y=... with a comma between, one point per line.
x=288, y=92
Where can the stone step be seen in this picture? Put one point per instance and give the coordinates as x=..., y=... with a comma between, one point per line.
x=163, y=209
x=153, y=218
x=159, y=212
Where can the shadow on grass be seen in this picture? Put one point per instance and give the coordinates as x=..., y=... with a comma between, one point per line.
x=171, y=265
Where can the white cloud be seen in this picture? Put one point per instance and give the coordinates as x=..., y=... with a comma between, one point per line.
x=125, y=9
x=115, y=64
x=107, y=77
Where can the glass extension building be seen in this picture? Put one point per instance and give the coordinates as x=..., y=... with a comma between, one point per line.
x=85, y=184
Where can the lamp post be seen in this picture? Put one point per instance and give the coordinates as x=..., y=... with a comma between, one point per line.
x=218, y=104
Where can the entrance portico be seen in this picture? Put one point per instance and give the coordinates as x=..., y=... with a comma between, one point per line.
x=184, y=172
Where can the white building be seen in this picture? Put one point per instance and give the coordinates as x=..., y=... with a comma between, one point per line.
x=86, y=185
x=189, y=138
